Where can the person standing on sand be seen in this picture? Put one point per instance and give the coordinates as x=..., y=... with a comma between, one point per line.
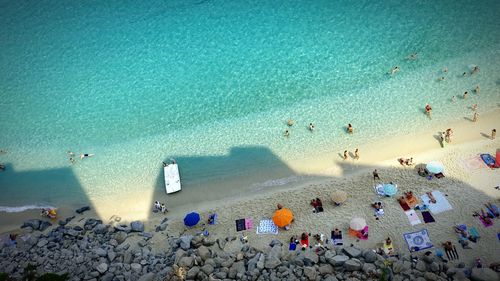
x=493, y=134
x=474, y=119
x=345, y=155
x=375, y=175
x=356, y=154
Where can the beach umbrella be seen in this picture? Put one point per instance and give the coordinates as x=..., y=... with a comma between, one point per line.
x=191, y=219
x=339, y=196
x=357, y=224
x=282, y=217
x=390, y=189
x=435, y=167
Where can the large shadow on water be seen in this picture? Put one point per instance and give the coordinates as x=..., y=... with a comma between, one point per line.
x=201, y=175
x=53, y=187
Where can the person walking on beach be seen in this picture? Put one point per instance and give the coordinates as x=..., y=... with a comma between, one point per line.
x=474, y=119
x=449, y=134
x=356, y=154
x=493, y=134
x=375, y=175
x=345, y=155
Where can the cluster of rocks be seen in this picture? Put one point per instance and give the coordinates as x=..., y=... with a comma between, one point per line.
x=97, y=251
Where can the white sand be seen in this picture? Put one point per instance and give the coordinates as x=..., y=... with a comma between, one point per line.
x=467, y=192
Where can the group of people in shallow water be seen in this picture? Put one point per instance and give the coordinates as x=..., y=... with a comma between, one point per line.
x=71, y=156
x=311, y=127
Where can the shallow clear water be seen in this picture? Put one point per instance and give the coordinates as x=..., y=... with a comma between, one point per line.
x=137, y=84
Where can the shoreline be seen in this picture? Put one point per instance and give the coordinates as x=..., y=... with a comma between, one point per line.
x=309, y=172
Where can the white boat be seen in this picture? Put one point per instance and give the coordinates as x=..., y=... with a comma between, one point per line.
x=172, y=177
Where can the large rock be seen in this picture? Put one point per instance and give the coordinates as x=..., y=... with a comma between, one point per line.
x=135, y=267
x=83, y=209
x=192, y=272
x=275, y=242
x=186, y=262
x=274, y=257
x=33, y=223
x=325, y=269
x=101, y=252
x=352, y=252
x=42, y=242
x=338, y=260
x=147, y=277
x=185, y=242
x=102, y=267
x=100, y=229
x=352, y=265
x=137, y=226
x=44, y=225
x=203, y=252
x=310, y=273
x=237, y=269
x=111, y=255
x=369, y=268
x=369, y=256
x=483, y=274
x=120, y=236
x=252, y=262
x=429, y=276
x=400, y=266
x=420, y=266
x=207, y=269
x=310, y=257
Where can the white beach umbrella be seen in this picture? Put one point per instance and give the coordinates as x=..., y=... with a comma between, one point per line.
x=435, y=167
x=357, y=224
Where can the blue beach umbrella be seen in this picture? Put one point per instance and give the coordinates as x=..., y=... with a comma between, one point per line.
x=390, y=189
x=435, y=167
x=191, y=219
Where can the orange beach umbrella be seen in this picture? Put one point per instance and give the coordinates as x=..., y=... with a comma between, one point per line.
x=282, y=217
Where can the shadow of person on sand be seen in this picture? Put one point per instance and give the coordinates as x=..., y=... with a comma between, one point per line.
x=486, y=135
x=439, y=139
x=468, y=119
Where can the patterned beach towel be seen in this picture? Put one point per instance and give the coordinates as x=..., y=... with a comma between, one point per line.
x=267, y=226
x=413, y=217
x=418, y=240
x=472, y=163
x=441, y=205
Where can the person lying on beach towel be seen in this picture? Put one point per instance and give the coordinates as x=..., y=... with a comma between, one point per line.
x=484, y=218
x=431, y=197
x=492, y=209
x=411, y=199
x=337, y=237
x=304, y=241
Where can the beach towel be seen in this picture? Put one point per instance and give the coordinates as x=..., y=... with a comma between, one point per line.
x=292, y=247
x=267, y=226
x=248, y=223
x=413, y=217
x=363, y=234
x=304, y=242
x=492, y=209
x=240, y=225
x=488, y=160
x=474, y=233
x=428, y=218
x=337, y=239
x=439, y=175
x=379, y=189
x=485, y=224
x=404, y=205
x=472, y=163
x=441, y=205
x=418, y=240
x=212, y=219
x=412, y=201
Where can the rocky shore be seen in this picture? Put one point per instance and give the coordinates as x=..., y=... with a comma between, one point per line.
x=91, y=250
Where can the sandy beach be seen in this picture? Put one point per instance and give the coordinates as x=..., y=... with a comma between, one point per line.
x=468, y=185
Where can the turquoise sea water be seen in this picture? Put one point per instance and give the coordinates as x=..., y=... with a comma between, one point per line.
x=211, y=83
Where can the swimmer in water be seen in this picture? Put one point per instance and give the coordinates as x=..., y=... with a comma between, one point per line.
x=395, y=70
x=445, y=70
x=477, y=89
x=85, y=155
x=412, y=56
x=311, y=127
x=350, y=129
x=287, y=133
x=289, y=122
x=442, y=78
x=70, y=153
x=453, y=99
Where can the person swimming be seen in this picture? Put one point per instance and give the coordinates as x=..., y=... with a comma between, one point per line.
x=287, y=133
x=395, y=70
x=412, y=56
x=311, y=127
x=477, y=89
x=350, y=129
x=85, y=155
x=289, y=122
